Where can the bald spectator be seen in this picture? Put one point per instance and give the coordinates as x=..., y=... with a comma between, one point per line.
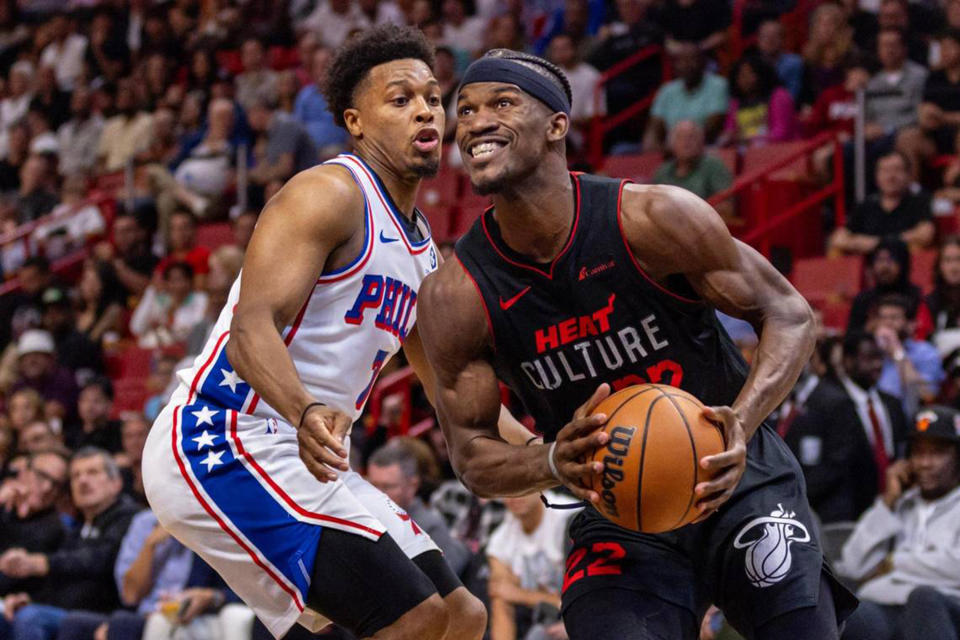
x=789, y=66
x=311, y=109
x=697, y=94
x=691, y=168
x=257, y=80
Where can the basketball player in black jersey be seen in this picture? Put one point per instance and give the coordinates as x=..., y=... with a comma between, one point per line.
x=573, y=285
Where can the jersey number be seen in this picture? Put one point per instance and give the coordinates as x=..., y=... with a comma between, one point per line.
x=664, y=372
x=607, y=556
x=378, y=361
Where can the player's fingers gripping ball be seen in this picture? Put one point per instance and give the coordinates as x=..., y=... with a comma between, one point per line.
x=651, y=462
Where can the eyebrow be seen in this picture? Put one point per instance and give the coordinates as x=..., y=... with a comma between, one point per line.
x=498, y=91
x=431, y=82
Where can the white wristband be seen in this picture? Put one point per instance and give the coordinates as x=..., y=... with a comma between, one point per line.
x=551, y=463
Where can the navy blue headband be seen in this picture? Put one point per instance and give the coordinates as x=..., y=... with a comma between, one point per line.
x=492, y=69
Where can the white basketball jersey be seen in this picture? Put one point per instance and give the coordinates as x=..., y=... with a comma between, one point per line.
x=351, y=324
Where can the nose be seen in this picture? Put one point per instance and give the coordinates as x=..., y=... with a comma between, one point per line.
x=424, y=113
x=482, y=122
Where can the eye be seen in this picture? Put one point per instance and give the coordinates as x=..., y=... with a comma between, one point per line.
x=464, y=111
x=503, y=103
x=400, y=101
x=434, y=100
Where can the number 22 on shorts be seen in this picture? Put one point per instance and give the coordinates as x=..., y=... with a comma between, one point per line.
x=607, y=557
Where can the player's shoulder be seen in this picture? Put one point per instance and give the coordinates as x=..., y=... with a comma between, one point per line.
x=450, y=303
x=448, y=284
x=324, y=196
x=667, y=208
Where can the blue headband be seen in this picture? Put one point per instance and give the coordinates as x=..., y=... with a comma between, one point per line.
x=506, y=70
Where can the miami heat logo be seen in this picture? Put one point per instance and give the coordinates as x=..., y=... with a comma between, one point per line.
x=767, y=541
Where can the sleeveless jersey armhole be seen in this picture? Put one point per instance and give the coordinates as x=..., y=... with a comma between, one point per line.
x=636, y=263
x=486, y=309
x=368, y=240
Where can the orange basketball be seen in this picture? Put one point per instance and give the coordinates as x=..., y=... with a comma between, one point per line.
x=651, y=463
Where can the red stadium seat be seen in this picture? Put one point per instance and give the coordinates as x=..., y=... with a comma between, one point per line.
x=437, y=198
x=828, y=279
x=130, y=394
x=214, y=234
x=835, y=314
x=756, y=158
x=923, y=267
x=638, y=167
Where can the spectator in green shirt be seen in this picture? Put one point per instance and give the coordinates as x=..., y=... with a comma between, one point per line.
x=692, y=169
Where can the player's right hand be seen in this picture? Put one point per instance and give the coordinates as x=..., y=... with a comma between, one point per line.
x=321, y=442
x=576, y=441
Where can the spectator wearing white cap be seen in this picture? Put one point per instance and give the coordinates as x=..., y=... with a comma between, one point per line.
x=37, y=369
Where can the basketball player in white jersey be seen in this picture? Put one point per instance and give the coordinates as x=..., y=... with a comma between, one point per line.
x=247, y=464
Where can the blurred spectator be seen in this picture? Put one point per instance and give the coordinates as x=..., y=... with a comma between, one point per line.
x=526, y=555
x=912, y=371
x=28, y=515
x=944, y=300
x=691, y=168
x=243, y=226
x=472, y=520
x=835, y=109
x=895, y=14
x=445, y=71
x=461, y=28
x=182, y=246
x=888, y=268
x=168, y=312
x=583, y=80
x=17, y=151
x=827, y=51
x=847, y=434
x=312, y=111
x=66, y=51
x=393, y=470
x=505, y=32
x=202, y=72
x=95, y=428
x=80, y=573
x=701, y=22
x=21, y=309
x=578, y=19
x=162, y=369
x=225, y=263
x=36, y=437
x=127, y=132
x=697, y=94
x=14, y=32
x=333, y=20
x=133, y=434
x=13, y=107
x=893, y=211
x=283, y=146
x=130, y=254
x=287, y=89
x=904, y=548
x=257, y=82
x=23, y=407
x=43, y=139
x=75, y=351
x=35, y=199
x=939, y=113
x=107, y=52
x=307, y=43
x=379, y=12
x=38, y=370
x=50, y=99
x=79, y=137
x=760, y=110
x=789, y=66
x=100, y=303
x=894, y=92
x=73, y=222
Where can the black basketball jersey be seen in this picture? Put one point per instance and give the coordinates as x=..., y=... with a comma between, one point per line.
x=593, y=315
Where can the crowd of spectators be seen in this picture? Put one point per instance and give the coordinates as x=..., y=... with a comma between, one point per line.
x=201, y=110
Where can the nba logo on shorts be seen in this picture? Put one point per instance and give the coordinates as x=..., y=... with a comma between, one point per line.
x=767, y=541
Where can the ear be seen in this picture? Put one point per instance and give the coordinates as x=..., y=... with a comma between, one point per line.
x=557, y=127
x=351, y=118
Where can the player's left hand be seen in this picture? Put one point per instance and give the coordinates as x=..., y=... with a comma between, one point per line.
x=726, y=468
x=321, y=438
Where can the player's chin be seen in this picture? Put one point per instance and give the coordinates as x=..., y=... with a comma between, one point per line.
x=426, y=166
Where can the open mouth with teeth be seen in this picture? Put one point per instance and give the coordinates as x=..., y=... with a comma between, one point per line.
x=485, y=149
x=427, y=140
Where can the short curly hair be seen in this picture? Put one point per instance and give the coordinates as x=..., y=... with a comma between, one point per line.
x=374, y=47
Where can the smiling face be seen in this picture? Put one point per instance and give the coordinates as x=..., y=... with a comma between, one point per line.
x=397, y=117
x=936, y=466
x=504, y=134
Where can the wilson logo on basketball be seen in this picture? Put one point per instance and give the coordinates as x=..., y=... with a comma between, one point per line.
x=767, y=540
x=618, y=446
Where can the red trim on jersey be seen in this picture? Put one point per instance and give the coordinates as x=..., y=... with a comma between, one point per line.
x=633, y=258
x=286, y=498
x=223, y=525
x=286, y=341
x=566, y=247
x=371, y=239
x=196, y=378
x=486, y=311
x=403, y=233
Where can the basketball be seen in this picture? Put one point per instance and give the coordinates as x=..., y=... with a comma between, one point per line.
x=651, y=463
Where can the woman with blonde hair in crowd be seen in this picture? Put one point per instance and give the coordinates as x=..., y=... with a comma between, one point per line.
x=828, y=49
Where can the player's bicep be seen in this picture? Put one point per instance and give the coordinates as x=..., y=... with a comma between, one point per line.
x=294, y=237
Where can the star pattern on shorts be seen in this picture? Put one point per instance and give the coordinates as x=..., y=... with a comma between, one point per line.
x=204, y=416
x=230, y=379
x=213, y=459
x=205, y=439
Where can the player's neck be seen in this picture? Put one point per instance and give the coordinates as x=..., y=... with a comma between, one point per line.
x=402, y=190
x=536, y=214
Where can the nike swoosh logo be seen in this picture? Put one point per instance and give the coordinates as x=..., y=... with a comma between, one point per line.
x=506, y=304
x=384, y=238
